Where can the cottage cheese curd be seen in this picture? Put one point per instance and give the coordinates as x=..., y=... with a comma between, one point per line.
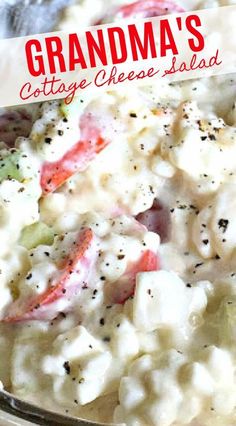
x=118, y=279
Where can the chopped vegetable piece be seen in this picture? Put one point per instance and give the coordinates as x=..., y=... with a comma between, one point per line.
x=79, y=262
x=125, y=287
x=149, y=8
x=54, y=174
x=157, y=219
x=14, y=124
x=144, y=9
x=36, y=234
x=9, y=167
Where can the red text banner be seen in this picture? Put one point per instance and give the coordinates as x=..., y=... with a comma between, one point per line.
x=175, y=47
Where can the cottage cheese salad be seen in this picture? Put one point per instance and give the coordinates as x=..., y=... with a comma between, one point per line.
x=117, y=247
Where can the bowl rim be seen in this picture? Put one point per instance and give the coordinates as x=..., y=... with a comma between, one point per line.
x=14, y=406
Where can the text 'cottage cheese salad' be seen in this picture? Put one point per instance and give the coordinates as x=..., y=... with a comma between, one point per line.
x=117, y=247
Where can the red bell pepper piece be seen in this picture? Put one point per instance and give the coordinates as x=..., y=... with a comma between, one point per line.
x=79, y=261
x=125, y=287
x=149, y=8
x=145, y=9
x=54, y=174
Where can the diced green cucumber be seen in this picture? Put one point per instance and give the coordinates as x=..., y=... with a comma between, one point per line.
x=36, y=234
x=10, y=168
